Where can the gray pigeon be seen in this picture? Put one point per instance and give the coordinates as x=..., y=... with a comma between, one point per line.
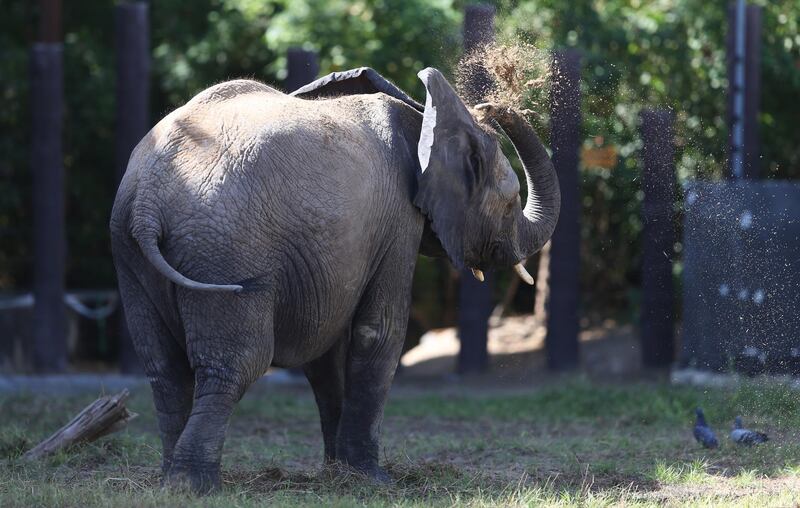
x=702, y=432
x=745, y=436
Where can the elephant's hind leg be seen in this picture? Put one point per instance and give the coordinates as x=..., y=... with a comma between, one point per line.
x=163, y=359
x=228, y=351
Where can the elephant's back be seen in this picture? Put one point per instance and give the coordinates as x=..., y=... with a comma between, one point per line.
x=241, y=148
x=241, y=126
x=243, y=161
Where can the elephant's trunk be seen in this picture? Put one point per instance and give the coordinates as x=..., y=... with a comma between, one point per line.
x=540, y=215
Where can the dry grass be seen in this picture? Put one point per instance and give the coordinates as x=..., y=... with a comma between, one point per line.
x=519, y=75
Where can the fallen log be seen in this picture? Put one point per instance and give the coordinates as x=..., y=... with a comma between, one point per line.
x=105, y=415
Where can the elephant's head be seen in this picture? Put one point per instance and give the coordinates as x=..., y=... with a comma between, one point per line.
x=468, y=190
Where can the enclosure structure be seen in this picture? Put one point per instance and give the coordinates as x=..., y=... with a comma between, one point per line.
x=131, y=23
x=741, y=282
x=657, y=319
x=47, y=93
x=564, y=259
x=475, y=297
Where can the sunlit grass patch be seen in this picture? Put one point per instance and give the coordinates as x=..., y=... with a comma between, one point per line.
x=694, y=472
x=791, y=469
x=746, y=477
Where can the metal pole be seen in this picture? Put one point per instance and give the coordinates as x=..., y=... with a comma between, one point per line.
x=50, y=21
x=474, y=297
x=302, y=68
x=132, y=30
x=658, y=183
x=738, y=84
x=49, y=239
x=561, y=340
x=752, y=94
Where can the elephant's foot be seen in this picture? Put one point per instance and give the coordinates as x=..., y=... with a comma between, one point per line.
x=371, y=470
x=201, y=480
x=377, y=475
x=371, y=473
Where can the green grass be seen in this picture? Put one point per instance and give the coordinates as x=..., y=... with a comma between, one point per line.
x=694, y=473
x=568, y=443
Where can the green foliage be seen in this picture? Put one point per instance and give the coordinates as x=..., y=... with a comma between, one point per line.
x=670, y=54
x=396, y=37
x=197, y=44
x=194, y=44
x=15, y=200
x=89, y=77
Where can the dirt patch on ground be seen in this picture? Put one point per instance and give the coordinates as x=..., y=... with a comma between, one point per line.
x=517, y=354
x=724, y=489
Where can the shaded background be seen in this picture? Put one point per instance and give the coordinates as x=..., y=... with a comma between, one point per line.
x=635, y=54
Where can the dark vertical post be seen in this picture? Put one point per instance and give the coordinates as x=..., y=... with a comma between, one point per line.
x=658, y=182
x=751, y=154
x=752, y=93
x=132, y=30
x=302, y=68
x=50, y=21
x=561, y=341
x=474, y=297
x=478, y=32
x=474, y=310
x=49, y=239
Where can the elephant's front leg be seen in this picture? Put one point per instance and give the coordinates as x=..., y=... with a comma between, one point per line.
x=326, y=376
x=376, y=342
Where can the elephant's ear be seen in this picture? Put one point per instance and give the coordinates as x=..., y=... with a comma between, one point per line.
x=449, y=156
x=353, y=82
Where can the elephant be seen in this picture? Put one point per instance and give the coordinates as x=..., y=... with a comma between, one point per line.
x=255, y=228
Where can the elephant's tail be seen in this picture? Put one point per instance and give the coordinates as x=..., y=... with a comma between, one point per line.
x=149, y=246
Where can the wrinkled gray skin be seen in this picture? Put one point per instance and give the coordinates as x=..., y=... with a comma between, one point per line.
x=256, y=229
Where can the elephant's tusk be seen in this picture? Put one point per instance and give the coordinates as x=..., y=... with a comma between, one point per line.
x=477, y=274
x=523, y=273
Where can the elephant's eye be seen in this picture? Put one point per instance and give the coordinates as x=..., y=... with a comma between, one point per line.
x=475, y=161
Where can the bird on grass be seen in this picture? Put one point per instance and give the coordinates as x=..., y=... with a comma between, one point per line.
x=702, y=432
x=744, y=436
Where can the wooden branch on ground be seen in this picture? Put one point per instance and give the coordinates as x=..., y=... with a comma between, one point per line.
x=105, y=415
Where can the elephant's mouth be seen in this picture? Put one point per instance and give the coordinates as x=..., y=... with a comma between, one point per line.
x=498, y=259
x=519, y=269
